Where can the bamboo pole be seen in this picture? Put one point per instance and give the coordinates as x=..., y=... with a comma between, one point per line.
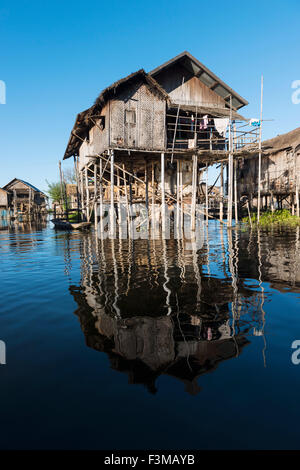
x=259, y=145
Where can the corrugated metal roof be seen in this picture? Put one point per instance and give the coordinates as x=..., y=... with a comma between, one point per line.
x=24, y=182
x=206, y=76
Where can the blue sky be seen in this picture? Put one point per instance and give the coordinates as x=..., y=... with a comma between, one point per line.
x=57, y=56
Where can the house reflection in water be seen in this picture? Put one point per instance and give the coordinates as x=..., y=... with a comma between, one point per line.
x=156, y=308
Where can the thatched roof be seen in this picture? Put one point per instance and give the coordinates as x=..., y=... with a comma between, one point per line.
x=83, y=120
x=281, y=142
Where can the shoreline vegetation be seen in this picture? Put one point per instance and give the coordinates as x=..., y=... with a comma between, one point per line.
x=281, y=217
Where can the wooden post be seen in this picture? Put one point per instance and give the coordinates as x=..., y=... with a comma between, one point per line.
x=249, y=215
x=178, y=196
x=95, y=191
x=87, y=193
x=101, y=197
x=77, y=187
x=259, y=146
x=230, y=170
x=297, y=199
x=81, y=193
x=126, y=197
x=272, y=202
x=66, y=197
x=221, y=192
x=181, y=198
x=112, y=209
x=163, y=214
x=119, y=200
x=206, y=194
x=235, y=193
x=146, y=193
x=194, y=186
x=29, y=207
x=61, y=187
x=153, y=196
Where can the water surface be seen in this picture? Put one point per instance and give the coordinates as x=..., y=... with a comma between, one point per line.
x=115, y=344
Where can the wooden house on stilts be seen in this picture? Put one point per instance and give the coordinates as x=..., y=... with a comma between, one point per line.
x=151, y=136
x=280, y=170
x=20, y=198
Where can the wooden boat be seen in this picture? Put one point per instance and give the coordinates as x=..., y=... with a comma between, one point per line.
x=64, y=224
x=61, y=224
x=81, y=225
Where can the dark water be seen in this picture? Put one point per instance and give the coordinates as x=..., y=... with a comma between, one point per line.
x=147, y=344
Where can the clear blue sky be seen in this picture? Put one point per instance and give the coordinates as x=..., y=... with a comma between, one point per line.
x=57, y=56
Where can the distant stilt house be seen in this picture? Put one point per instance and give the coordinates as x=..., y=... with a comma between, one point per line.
x=150, y=136
x=21, y=198
x=4, y=203
x=280, y=172
x=72, y=195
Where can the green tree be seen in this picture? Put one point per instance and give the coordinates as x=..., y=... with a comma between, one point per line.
x=54, y=191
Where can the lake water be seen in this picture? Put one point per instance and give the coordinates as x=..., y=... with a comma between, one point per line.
x=117, y=344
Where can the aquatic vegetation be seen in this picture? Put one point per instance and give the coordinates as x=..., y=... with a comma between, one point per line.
x=281, y=217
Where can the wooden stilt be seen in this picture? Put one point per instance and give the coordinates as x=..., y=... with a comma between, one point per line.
x=194, y=186
x=126, y=198
x=181, y=197
x=112, y=208
x=206, y=195
x=221, y=192
x=163, y=209
x=178, y=196
x=272, y=202
x=87, y=192
x=101, y=197
x=153, y=195
x=235, y=194
x=230, y=170
x=119, y=199
x=146, y=193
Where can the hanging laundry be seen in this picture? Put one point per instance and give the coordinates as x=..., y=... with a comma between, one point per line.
x=254, y=122
x=221, y=125
x=204, y=123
